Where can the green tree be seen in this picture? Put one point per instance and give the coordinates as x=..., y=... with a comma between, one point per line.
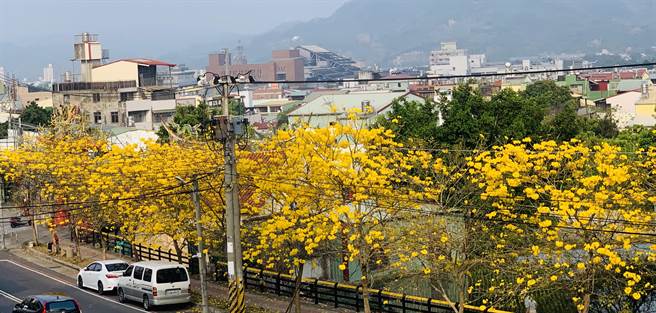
x=509, y=115
x=36, y=115
x=549, y=95
x=412, y=121
x=188, y=121
x=461, y=117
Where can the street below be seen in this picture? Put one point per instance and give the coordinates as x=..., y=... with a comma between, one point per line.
x=21, y=279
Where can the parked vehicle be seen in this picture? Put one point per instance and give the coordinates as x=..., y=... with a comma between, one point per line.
x=47, y=304
x=16, y=221
x=101, y=275
x=154, y=283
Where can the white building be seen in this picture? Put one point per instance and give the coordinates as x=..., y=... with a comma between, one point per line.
x=48, y=74
x=450, y=60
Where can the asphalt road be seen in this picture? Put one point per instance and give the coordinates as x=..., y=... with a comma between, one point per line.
x=19, y=279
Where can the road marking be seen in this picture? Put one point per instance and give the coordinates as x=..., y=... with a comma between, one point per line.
x=72, y=285
x=10, y=296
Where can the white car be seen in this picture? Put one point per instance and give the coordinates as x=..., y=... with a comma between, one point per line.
x=101, y=275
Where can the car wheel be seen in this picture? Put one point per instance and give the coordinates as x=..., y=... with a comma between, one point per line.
x=121, y=296
x=100, y=288
x=80, y=284
x=146, y=303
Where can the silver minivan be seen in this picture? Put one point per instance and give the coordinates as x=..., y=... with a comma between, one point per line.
x=154, y=283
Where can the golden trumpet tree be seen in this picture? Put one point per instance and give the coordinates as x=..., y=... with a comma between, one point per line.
x=589, y=210
x=343, y=186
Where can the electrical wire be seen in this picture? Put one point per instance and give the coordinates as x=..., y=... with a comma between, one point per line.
x=418, y=78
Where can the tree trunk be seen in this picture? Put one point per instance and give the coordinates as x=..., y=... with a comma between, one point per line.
x=77, y=242
x=462, y=300
x=178, y=251
x=365, y=297
x=35, y=231
x=365, y=285
x=346, y=275
x=586, y=303
x=103, y=246
x=296, y=297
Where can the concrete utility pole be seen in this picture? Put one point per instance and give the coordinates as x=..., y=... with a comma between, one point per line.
x=2, y=212
x=227, y=129
x=201, y=250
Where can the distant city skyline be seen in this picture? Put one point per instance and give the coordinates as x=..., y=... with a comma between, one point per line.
x=44, y=30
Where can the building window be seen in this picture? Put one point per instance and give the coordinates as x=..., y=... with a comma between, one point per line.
x=275, y=109
x=281, y=76
x=127, y=96
x=162, y=117
x=96, y=97
x=97, y=117
x=138, y=116
x=114, y=117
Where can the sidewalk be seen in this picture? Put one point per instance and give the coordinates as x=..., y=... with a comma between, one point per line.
x=255, y=301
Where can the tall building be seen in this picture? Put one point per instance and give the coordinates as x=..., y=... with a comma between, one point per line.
x=285, y=65
x=449, y=60
x=48, y=74
x=2, y=72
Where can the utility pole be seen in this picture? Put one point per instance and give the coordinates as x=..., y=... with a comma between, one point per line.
x=201, y=249
x=227, y=129
x=2, y=212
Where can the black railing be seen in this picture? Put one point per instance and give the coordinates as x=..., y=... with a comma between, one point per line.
x=76, y=86
x=120, y=246
x=339, y=295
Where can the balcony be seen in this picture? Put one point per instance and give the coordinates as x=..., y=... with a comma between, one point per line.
x=78, y=86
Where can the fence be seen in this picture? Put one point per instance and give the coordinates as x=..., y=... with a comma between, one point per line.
x=123, y=247
x=318, y=291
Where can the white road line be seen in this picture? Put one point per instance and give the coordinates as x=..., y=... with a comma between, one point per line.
x=10, y=296
x=72, y=285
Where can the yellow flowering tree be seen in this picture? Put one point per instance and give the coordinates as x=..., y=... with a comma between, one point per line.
x=589, y=209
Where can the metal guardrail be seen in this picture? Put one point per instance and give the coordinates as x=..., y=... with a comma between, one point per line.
x=339, y=295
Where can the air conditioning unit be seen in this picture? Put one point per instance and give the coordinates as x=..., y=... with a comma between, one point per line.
x=130, y=121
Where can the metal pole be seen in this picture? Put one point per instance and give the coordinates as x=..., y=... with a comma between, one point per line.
x=201, y=247
x=2, y=212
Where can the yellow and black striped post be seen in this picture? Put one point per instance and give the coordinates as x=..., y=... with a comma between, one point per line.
x=236, y=297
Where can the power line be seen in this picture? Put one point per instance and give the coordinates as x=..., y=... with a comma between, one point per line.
x=425, y=77
x=430, y=77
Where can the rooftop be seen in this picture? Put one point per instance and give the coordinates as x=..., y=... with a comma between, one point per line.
x=140, y=61
x=324, y=104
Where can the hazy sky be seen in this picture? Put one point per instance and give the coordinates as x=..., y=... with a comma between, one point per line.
x=36, y=18
x=37, y=32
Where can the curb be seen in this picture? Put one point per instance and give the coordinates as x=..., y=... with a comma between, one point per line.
x=52, y=259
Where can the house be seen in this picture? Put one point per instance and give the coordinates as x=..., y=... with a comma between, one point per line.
x=117, y=93
x=623, y=108
x=330, y=108
x=645, y=108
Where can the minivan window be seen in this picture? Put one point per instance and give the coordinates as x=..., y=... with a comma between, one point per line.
x=67, y=306
x=138, y=272
x=128, y=272
x=171, y=275
x=148, y=275
x=116, y=267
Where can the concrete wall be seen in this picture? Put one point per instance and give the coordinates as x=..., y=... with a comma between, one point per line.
x=117, y=71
